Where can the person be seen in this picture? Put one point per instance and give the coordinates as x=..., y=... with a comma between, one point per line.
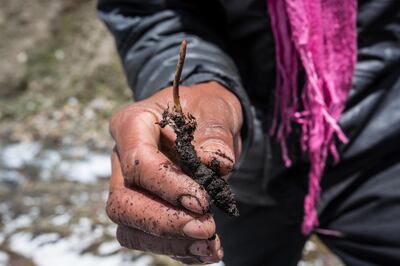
x=228, y=84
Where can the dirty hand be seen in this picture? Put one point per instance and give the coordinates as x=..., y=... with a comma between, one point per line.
x=156, y=206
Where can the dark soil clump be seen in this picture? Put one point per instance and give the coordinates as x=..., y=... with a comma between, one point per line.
x=184, y=126
x=207, y=176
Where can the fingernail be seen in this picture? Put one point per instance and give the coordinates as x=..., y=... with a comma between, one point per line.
x=219, y=149
x=195, y=229
x=192, y=204
x=200, y=248
x=215, y=145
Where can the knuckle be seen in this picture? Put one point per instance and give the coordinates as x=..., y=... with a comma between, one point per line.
x=130, y=166
x=129, y=113
x=116, y=118
x=111, y=209
x=227, y=109
x=114, y=206
x=211, y=130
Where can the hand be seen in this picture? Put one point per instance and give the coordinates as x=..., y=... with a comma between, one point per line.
x=156, y=206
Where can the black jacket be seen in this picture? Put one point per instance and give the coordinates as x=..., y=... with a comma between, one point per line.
x=231, y=42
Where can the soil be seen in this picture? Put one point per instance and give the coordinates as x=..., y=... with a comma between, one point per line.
x=207, y=176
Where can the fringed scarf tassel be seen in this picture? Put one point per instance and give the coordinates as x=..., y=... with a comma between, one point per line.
x=320, y=37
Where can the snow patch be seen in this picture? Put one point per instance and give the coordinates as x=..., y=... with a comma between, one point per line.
x=16, y=155
x=88, y=170
x=66, y=252
x=74, y=163
x=11, y=176
x=61, y=219
x=21, y=221
x=108, y=247
x=3, y=258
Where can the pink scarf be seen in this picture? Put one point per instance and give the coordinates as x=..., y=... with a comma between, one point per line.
x=320, y=37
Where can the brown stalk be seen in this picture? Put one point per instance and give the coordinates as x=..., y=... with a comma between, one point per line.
x=177, y=77
x=184, y=126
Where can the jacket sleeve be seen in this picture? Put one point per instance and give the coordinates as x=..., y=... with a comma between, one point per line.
x=148, y=34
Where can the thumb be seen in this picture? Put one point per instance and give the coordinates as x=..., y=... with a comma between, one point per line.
x=213, y=144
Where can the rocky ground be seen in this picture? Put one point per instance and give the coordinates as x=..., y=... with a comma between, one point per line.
x=60, y=79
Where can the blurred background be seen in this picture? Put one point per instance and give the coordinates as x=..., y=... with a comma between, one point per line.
x=60, y=80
